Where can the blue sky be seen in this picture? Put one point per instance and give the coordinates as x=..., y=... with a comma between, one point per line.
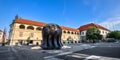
x=71, y=13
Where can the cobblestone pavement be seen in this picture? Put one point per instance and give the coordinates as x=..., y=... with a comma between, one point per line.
x=72, y=53
x=6, y=53
x=25, y=53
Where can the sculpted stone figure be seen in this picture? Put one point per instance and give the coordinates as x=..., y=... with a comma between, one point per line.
x=51, y=34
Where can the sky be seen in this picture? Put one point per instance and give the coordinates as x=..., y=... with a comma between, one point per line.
x=70, y=13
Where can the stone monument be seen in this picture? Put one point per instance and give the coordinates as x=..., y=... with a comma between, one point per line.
x=51, y=34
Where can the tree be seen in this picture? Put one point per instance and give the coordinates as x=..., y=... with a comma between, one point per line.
x=114, y=34
x=70, y=39
x=28, y=40
x=93, y=34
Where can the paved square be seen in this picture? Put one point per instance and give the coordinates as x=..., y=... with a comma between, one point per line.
x=98, y=51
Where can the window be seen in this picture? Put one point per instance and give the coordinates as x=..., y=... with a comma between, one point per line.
x=0, y=33
x=37, y=38
x=64, y=31
x=82, y=33
x=77, y=33
x=30, y=27
x=103, y=32
x=100, y=31
x=38, y=28
x=31, y=34
x=68, y=32
x=21, y=34
x=22, y=27
x=71, y=32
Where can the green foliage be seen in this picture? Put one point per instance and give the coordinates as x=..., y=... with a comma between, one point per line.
x=93, y=33
x=114, y=34
x=70, y=39
x=16, y=43
x=28, y=40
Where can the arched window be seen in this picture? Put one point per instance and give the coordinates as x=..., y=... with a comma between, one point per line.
x=77, y=33
x=30, y=27
x=22, y=27
x=72, y=33
x=68, y=32
x=38, y=28
x=64, y=31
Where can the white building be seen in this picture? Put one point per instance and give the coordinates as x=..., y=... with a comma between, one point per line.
x=83, y=30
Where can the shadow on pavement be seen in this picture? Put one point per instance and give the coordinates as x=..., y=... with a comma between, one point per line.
x=113, y=52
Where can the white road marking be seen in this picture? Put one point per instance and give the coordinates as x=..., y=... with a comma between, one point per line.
x=86, y=46
x=64, y=53
x=92, y=57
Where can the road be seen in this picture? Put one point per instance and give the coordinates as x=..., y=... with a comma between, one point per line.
x=103, y=51
x=6, y=53
x=18, y=53
x=26, y=53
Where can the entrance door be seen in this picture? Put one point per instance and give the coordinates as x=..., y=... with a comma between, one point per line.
x=31, y=41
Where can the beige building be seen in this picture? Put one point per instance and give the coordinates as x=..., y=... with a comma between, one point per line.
x=22, y=29
x=1, y=35
x=70, y=35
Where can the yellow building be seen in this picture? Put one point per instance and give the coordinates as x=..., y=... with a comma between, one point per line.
x=23, y=29
x=70, y=35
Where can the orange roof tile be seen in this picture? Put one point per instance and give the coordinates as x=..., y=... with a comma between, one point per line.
x=85, y=27
x=68, y=28
x=25, y=21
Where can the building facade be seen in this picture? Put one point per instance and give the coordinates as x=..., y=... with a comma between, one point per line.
x=1, y=35
x=70, y=35
x=22, y=29
x=83, y=30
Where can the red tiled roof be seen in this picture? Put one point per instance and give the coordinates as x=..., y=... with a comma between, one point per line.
x=68, y=28
x=85, y=27
x=25, y=21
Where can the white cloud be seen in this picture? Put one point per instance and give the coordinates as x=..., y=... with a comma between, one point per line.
x=112, y=23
